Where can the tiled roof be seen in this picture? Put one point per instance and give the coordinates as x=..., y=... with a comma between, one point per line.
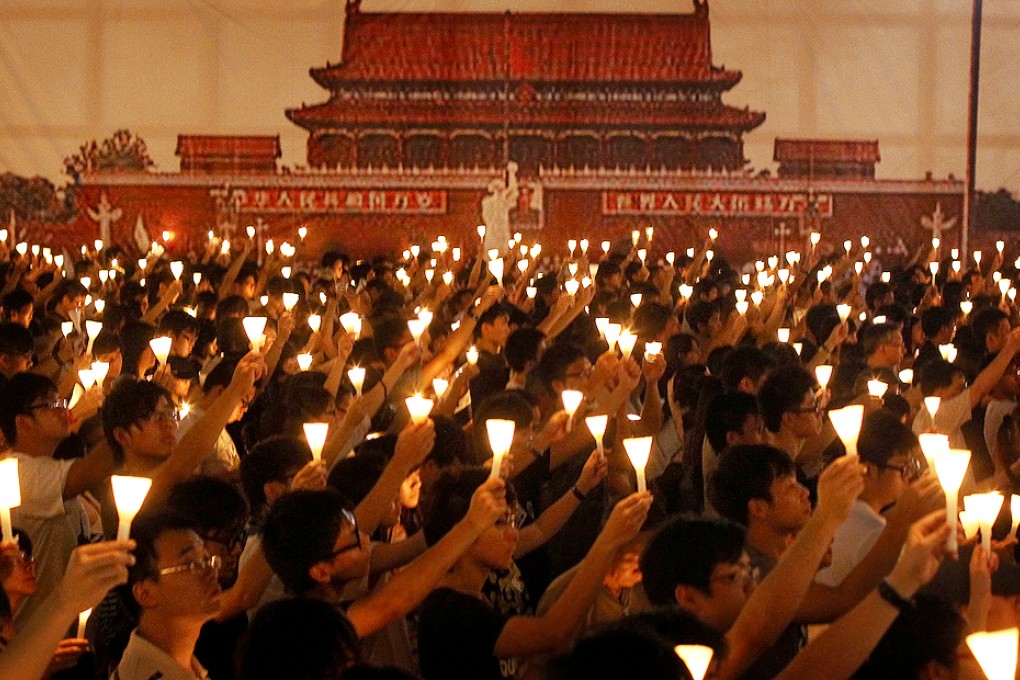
x=214, y=146
x=827, y=150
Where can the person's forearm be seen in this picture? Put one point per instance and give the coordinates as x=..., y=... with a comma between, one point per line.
x=194, y=446
x=30, y=652
x=275, y=352
x=252, y=580
x=152, y=315
x=227, y=284
x=455, y=344
x=839, y=651
x=990, y=376
x=374, y=506
x=538, y=533
x=411, y=585
x=389, y=556
x=651, y=409
x=775, y=601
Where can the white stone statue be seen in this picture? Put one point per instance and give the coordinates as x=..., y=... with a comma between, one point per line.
x=937, y=223
x=105, y=215
x=496, y=209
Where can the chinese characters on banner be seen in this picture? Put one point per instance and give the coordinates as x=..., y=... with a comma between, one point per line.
x=714, y=203
x=355, y=201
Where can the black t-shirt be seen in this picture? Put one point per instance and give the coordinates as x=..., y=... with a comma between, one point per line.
x=457, y=634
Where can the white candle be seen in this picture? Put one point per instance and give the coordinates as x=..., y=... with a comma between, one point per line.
x=83, y=619
x=357, y=376
x=597, y=427
x=315, y=322
x=823, y=372
x=255, y=329
x=161, y=348
x=571, y=401
x=315, y=434
x=501, y=438
x=92, y=329
x=638, y=450
x=439, y=386
x=697, y=658
x=847, y=423
x=177, y=268
x=129, y=494
x=290, y=300
x=304, y=361
x=626, y=342
x=996, y=652
x=99, y=371
x=877, y=388
x=419, y=407
x=472, y=355
x=950, y=468
x=351, y=323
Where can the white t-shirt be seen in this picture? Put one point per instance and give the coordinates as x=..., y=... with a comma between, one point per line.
x=42, y=516
x=950, y=417
x=996, y=412
x=143, y=660
x=223, y=457
x=853, y=540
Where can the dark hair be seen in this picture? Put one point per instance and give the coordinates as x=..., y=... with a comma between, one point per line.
x=128, y=403
x=985, y=322
x=669, y=561
x=20, y=392
x=221, y=375
x=512, y=405
x=555, y=360
x=727, y=413
x=698, y=314
x=624, y=649
x=746, y=472
x=71, y=288
x=177, y=321
x=451, y=445
x=875, y=293
x=15, y=340
x=934, y=319
x=931, y=630
x=935, y=375
x=271, y=460
x=232, y=306
x=782, y=392
x=883, y=437
x=299, y=532
x=17, y=300
x=354, y=477
x=448, y=500
x=523, y=346
x=743, y=362
x=321, y=642
x=489, y=316
x=388, y=334
x=134, y=340
x=146, y=529
x=651, y=320
x=872, y=337
x=106, y=342
x=821, y=320
x=208, y=503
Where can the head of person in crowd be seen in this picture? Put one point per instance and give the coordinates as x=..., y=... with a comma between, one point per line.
x=515, y=405
x=564, y=366
x=68, y=296
x=390, y=335
x=743, y=369
x=217, y=512
x=32, y=414
x=18, y=307
x=655, y=322
x=320, y=642
x=921, y=644
x=451, y=451
x=106, y=347
x=682, y=349
x=17, y=571
x=889, y=451
x=16, y=349
x=493, y=328
x=821, y=320
x=182, y=328
x=878, y=295
x=733, y=418
x=354, y=477
x=788, y=403
x=138, y=357
x=523, y=349
x=882, y=345
x=991, y=329
x=244, y=284
x=939, y=378
x=232, y=307
x=756, y=486
x=312, y=542
x=712, y=582
x=216, y=382
x=269, y=469
x=704, y=318
x=140, y=422
x=938, y=324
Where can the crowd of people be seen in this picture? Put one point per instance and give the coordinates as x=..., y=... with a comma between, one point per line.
x=613, y=464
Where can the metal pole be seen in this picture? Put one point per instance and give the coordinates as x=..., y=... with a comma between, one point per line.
x=972, y=126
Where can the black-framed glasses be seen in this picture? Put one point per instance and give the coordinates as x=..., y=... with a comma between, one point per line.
x=909, y=471
x=353, y=521
x=56, y=404
x=201, y=564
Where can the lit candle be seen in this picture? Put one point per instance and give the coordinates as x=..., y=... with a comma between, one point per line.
x=605, y=247
x=571, y=401
x=635, y=299
x=177, y=268
x=87, y=377
x=302, y=232
x=286, y=271
x=906, y=376
x=99, y=370
x=798, y=347
x=92, y=330
x=970, y=523
x=315, y=434
x=357, y=377
x=481, y=231
x=417, y=328
x=696, y=657
x=950, y=468
x=843, y=311
x=597, y=427
x=652, y=350
x=83, y=619
x=255, y=329
x=472, y=355
x=931, y=404
x=129, y=494
x=985, y=508
x=822, y=374
x=250, y=230
x=290, y=300
x=1014, y=511
x=877, y=388
x=501, y=438
x=612, y=333
x=184, y=410
x=638, y=450
x=419, y=407
x=1000, y=246
x=315, y=322
x=996, y=652
x=742, y=307
x=439, y=386
x=933, y=445
x=496, y=269
x=571, y=286
x=626, y=342
x=847, y=423
x=10, y=494
x=304, y=361
x=783, y=334
x=351, y=323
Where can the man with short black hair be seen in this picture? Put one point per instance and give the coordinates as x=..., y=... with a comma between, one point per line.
x=491, y=333
x=16, y=349
x=789, y=408
x=18, y=307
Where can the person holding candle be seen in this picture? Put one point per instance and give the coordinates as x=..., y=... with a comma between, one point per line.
x=223, y=458
x=313, y=543
x=789, y=407
x=34, y=422
x=460, y=636
x=883, y=349
x=939, y=327
x=491, y=333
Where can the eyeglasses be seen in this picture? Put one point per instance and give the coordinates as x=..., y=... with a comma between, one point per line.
x=814, y=410
x=744, y=573
x=202, y=564
x=353, y=521
x=585, y=372
x=169, y=416
x=909, y=471
x=25, y=560
x=56, y=404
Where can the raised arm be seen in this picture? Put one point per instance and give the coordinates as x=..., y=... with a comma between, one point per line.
x=987, y=379
x=227, y=285
x=414, y=443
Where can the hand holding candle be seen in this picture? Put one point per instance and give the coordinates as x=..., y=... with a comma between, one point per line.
x=597, y=427
x=357, y=376
x=315, y=434
x=129, y=494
